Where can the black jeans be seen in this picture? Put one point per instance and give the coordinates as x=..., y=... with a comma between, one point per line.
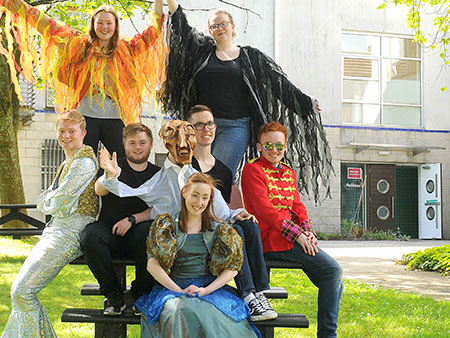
x=100, y=246
x=109, y=131
x=253, y=276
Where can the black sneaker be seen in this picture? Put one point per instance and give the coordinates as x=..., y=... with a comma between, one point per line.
x=113, y=310
x=258, y=312
x=265, y=303
x=136, y=310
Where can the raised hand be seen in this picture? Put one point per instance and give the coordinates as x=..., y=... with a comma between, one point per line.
x=109, y=164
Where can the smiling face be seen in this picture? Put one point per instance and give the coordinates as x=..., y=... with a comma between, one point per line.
x=179, y=139
x=137, y=147
x=274, y=155
x=70, y=136
x=104, y=27
x=216, y=27
x=205, y=120
x=197, y=197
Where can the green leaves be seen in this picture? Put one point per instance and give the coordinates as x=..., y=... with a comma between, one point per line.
x=78, y=13
x=432, y=259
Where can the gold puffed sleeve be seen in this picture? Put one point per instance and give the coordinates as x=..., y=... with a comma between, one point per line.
x=226, y=252
x=162, y=241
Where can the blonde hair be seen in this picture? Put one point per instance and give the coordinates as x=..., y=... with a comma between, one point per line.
x=73, y=116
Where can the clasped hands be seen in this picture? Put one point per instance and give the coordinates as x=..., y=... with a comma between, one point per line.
x=308, y=242
x=193, y=290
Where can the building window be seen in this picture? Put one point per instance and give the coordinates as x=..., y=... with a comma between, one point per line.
x=382, y=80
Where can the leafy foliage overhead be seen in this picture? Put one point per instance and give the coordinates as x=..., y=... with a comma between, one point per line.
x=78, y=13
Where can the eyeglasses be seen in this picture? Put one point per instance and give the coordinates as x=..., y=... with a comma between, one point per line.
x=269, y=146
x=222, y=25
x=199, y=126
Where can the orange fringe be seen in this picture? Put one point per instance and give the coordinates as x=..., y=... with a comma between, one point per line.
x=131, y=76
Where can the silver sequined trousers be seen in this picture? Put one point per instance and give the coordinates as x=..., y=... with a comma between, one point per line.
x=59, y=245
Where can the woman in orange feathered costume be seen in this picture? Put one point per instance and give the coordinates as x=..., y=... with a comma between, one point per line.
x=107, y=78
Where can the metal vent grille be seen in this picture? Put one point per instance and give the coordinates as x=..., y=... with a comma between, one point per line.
x=28, y=94
x=52, y=156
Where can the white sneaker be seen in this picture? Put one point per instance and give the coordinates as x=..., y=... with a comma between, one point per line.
x=258, y=312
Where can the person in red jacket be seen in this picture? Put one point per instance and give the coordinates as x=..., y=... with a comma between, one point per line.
x=271, y=194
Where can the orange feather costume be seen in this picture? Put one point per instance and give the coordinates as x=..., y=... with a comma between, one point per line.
x=130, y=75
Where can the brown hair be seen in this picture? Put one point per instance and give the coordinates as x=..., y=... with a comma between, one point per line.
x=133, y=129
x=197, y=109
x=208, y=214
x=272, y=126
x=223, y=11
x=72, y=115
x=93, y=37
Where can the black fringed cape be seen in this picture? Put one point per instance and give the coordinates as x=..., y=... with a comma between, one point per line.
x=273, y=98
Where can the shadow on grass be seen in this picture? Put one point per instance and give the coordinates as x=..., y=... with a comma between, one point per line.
x=366, y=310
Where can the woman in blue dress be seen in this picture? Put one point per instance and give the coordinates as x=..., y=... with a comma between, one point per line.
x=193, y=255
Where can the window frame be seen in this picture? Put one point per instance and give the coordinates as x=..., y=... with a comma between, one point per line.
x=381, y=78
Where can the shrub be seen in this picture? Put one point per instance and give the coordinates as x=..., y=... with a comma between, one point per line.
x=432, y=259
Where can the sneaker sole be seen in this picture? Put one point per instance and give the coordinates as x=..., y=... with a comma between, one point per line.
x=115, y=313
x=267, y=316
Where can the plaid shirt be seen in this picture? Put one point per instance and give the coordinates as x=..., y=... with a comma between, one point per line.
x=290, y=230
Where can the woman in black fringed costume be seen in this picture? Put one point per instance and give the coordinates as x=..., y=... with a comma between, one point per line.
x=245, y=89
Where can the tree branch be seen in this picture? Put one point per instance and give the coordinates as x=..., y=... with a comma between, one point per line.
x=241, y=7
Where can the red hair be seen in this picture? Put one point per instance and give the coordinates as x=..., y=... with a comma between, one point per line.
x=208, y=214
x=272, y=126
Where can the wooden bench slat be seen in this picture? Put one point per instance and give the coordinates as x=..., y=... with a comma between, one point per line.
x=270, y=263
x=274, y=292
x=20, y=232
x=293, y=320
x=281, y=264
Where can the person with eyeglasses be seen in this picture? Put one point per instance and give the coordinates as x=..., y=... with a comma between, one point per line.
x=201, y=117
x=271, y=194
x=253, y=279
x=244, y=88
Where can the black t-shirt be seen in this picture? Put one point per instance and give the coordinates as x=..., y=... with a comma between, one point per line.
x=115, y=208
x=221, y=87
x=221, y=173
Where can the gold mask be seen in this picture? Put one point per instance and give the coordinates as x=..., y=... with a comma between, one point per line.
x=179, y=139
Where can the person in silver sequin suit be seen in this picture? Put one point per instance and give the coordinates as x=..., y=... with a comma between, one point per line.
x=72, y=203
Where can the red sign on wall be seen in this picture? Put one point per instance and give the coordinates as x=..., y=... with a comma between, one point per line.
x=354, y=173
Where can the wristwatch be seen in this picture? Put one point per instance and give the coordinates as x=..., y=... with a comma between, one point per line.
x=132, y=219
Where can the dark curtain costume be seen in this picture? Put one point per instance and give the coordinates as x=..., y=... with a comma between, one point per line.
x=272, y=98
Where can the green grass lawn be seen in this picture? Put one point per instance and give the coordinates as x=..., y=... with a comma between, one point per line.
x=366, y=311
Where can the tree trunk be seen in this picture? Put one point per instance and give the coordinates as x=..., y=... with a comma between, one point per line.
x=11, y=185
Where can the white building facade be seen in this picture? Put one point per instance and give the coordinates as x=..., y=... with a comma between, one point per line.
x=382, y=105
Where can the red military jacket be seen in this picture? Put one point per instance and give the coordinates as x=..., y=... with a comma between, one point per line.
x=271, y=195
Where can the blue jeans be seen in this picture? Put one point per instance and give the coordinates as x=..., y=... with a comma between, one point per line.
x=253, y=277
x=231, y=141
x=325, y=273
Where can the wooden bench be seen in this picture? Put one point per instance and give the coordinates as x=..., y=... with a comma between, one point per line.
x=115, y=326
x=109, y=322
x=281, y=264
x=36, y=225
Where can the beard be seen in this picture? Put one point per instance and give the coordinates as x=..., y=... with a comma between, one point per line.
x=140, y=160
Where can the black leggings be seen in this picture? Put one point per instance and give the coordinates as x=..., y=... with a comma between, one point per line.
x=108, y=131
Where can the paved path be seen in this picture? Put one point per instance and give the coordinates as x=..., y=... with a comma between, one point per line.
x=374, y=262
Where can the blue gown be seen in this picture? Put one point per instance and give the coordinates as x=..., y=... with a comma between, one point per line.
x=170, y=314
